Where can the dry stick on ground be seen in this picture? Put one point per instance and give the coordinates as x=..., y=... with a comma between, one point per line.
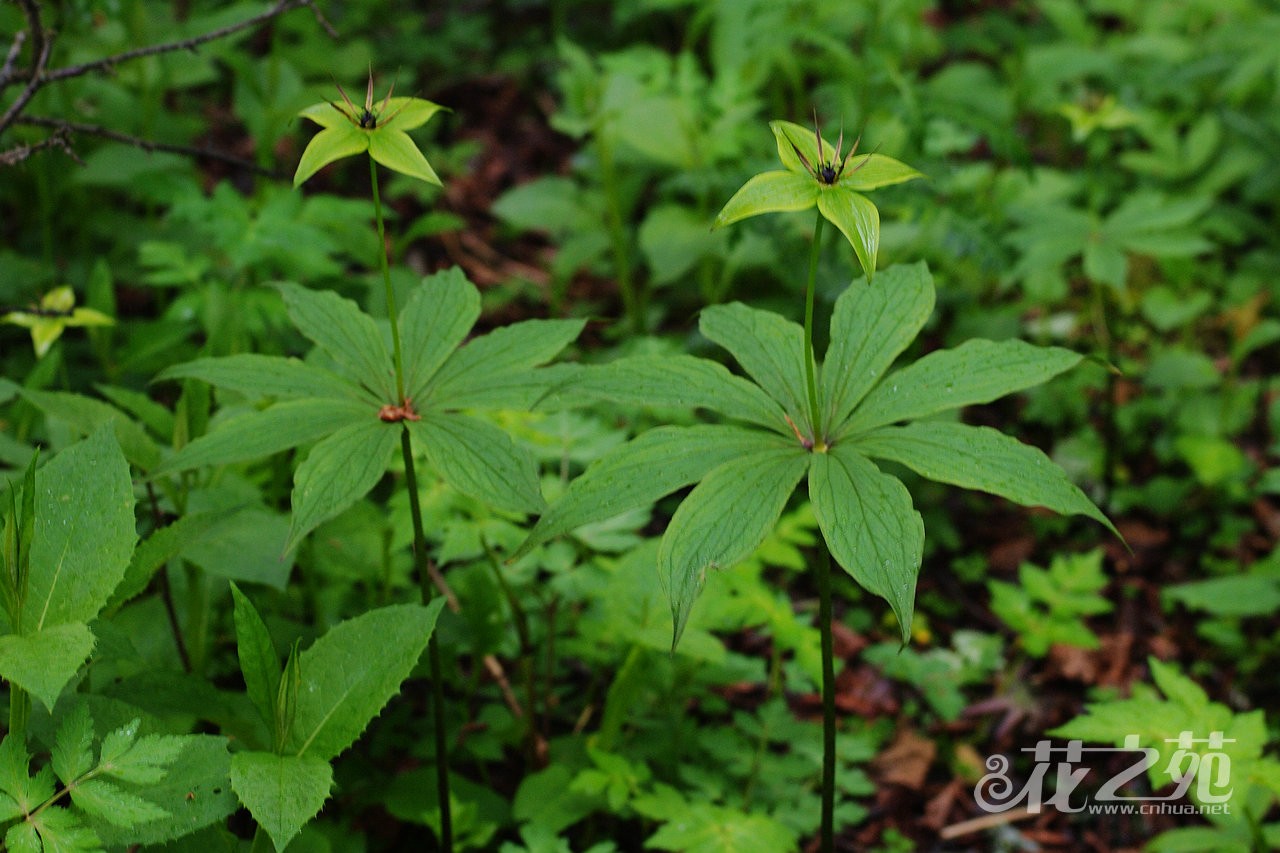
x=38, y=77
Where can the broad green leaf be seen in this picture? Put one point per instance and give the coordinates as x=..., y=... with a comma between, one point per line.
x=871, y=326
x=161, y=546
x=23, y=838
x=437, y=316
x=858, y=220
x=345, y=333
x=873, y=171
x=328, y=146
x=723, y=520
x=769, y=348
x=769, y=192
x=339, y=470
x=649, y=467
x=195, y=792
x=61, y=831
x=326, y=114
x=259, y=663
x=152, y=415
x=282, y=792
x=407, y=113
x=486, y=362
x=791, y=138
x=479, y=460
x=86, y=415
x=263, y=433
x=980, y=458
x=395, y=150
x=84, y=533
x=43, y=662
x=72, y=754
x=977, y=371
x=16, y=781
x=714, y=829
x=248, y=546
x=139, y=760
x=106, y=800
x=870, y=526
x=677, y=381
x=351, y=672
x=268, y=376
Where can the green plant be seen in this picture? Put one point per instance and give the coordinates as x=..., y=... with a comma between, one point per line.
x=1047, y=606
x=745, y=475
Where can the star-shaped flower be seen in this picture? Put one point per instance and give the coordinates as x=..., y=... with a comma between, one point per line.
x=57, y=311
x=817, y=175
x=350, y=130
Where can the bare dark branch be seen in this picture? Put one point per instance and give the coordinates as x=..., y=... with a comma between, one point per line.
x=149, y=145
x=28, y=91
x=6, y=72
x=58, y=139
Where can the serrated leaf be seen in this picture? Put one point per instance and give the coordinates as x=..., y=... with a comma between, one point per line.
x=345, y=333
x=486, y=363
x=258, y=376
x=769, y=192
x=258, y=434
x=870, y=327
x=84, y=533
x=195, y=793
x=977, y=371
x=145, y=761
x=23, y=838
x=649, y=467
x=87, y=416
x=858, y=220
x=282, y=792
x=42, y=663
x=259, y=663
x=981, y=458
x=114, y=804
x=353, y=670
x=72, y=754
x=677, y=381
x=15, y=780
x=61, y=831
x=714, y=829
x=723, y=520
x=339, y=470
x=480, y=460
x=769, y=348
x=870, y=526
x=437, y=316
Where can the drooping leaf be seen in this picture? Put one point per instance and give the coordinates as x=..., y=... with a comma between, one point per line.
x=282, y=792
x=351, y=672
x=858, y=220
x=649, y=467
x=84, y=533
x=329, y=146
x=769, y=192
x=268, y=376
x=870, y=526
x=769, y=348
x=436, y=317
x=339, y=470
x=259, y=663
x=44, y=661
x=258, y=434
x=677, y=381
x=486, y=363
x=977, y=371
x=870, y=327
x=480, y=460
x=980, y=458
x=345, y=333
x=723, y=520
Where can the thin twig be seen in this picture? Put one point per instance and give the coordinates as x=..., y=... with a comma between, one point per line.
x=148, y=145
x=28, y=91
x=6, y=72
x=35, y=27
x=168, y=47
x=58, y=139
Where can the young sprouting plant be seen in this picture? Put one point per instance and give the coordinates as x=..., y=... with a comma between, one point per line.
x=57, y=311
x=824, y=426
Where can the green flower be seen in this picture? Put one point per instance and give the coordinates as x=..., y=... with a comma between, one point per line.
x=56, y=312
x=816, y=174
x=350, y=130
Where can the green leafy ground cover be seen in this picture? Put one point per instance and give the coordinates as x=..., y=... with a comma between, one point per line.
x=217, y=630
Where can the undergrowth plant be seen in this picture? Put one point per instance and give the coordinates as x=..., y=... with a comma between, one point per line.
x=796, y=419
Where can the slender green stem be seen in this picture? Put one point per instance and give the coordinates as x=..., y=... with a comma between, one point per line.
x=632, y=299
x=433, y=647
x=810, y=373
x=828, y=701
x=386, y=280
x=19, y=709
